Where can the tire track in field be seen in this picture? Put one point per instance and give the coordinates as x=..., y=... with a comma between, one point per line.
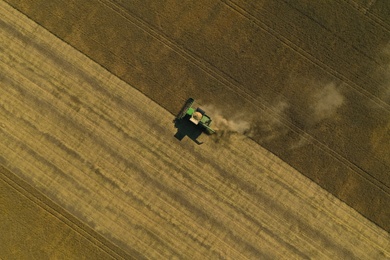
x=370, y=15
x=336, y=35
x=306, y=55
x=297, y=129
x=249, y=16
x=216, y=73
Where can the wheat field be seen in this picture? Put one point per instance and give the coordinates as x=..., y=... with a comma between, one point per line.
x=94, y=149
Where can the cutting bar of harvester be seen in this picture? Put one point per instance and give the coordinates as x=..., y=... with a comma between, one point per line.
x=184, y=109
x=208, y=130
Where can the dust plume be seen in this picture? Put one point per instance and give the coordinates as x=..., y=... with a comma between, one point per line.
x=326, y=102
x=227, y=123
x=269, y=124
x=320, y=104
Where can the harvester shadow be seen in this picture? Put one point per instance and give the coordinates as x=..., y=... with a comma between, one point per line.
x=186, y=128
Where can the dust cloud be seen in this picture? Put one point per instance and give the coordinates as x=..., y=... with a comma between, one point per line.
x=270, y=125
x=326, y=101
x=321, y=103
x=226, y=124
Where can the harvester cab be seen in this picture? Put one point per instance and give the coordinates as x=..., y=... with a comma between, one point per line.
x=196, y=116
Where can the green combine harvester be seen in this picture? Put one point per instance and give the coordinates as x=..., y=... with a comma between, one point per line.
x=196, y=116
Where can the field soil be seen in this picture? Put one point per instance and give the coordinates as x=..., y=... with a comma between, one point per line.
x=100, y=151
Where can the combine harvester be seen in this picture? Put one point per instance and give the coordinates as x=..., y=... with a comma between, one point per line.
x=196, y=116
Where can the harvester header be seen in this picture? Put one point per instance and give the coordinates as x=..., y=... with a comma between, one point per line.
x=197, y=116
